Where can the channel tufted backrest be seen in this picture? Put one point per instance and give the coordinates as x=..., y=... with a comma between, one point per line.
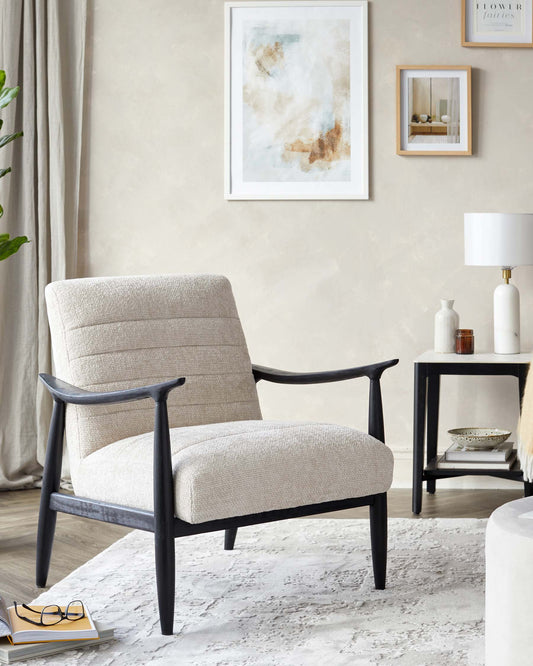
x=118, y=332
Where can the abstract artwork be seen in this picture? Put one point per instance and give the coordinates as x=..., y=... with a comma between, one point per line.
x=296, y=100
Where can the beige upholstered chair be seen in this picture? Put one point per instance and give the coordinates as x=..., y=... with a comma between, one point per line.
x=210, y=462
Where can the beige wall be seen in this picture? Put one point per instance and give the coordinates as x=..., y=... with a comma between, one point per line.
x=319, y=284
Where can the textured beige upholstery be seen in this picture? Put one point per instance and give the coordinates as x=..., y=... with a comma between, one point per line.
x=121, y=332
x=237, y=468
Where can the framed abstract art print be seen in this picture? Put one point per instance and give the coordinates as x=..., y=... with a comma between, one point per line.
x=296, y=102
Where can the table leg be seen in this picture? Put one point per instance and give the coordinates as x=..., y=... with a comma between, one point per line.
x=522, y=377
x=418, y=434
x=433, y=397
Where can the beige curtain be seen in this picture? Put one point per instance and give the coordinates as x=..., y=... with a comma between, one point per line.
x=42, y=47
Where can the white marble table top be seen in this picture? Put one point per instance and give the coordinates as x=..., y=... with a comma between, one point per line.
x=483, y=357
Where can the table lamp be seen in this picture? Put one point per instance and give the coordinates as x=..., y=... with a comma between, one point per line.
x=504, y=240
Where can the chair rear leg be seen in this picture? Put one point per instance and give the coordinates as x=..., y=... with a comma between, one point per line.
x=229, y=538
x=378, y=538
x=51, y=480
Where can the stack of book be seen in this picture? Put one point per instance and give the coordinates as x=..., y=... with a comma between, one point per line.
x=21, y=640
x=501, y=456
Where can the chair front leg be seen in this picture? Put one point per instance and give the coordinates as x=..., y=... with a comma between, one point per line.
x=50, y=484
x=375, y=410
x=164, y=519
x=378, y=539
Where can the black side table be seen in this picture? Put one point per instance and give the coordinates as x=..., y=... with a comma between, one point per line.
x=428, y=370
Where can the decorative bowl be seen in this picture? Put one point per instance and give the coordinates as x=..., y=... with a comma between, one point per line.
x=478, y=438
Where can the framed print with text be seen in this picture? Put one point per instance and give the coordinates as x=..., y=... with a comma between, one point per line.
x=296, y=100
x=433, y=110
x=489, y=23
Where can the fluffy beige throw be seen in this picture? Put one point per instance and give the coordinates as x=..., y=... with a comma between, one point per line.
x=525, y=430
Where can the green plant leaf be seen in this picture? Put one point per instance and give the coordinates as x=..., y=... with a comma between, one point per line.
x=9, y=247
x=7, y=95
x=4, y=140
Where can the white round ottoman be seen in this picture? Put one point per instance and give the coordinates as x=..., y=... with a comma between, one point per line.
x=509, y=585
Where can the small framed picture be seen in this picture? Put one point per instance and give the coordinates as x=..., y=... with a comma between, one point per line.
x=433, y=110
x=488, y=23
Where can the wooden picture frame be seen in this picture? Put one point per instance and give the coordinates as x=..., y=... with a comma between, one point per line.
x=296, y=100
x=434, y=110
x=497, y=24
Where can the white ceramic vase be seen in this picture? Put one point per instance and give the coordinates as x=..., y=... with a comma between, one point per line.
x=446, y=323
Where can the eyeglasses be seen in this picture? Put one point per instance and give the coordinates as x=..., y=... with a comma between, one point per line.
x=53, y=614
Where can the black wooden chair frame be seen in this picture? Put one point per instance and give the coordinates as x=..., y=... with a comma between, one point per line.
x=162, y=521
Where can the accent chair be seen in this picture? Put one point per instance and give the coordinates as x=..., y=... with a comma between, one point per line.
x=205, y=460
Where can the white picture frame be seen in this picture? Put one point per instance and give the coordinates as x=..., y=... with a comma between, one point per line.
x=296, y=100
x=434, y=110
x=497, y=24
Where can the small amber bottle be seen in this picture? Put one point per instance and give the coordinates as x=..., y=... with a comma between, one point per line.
x=464, y=341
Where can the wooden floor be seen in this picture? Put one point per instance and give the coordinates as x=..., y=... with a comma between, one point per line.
x=77, y=540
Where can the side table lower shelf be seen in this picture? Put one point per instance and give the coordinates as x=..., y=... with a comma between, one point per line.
x=432, y=471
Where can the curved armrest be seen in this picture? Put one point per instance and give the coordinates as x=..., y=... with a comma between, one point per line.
x=64, y=392
x=373, y=371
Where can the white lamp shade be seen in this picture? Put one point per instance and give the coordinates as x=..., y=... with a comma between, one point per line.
x=499, y=239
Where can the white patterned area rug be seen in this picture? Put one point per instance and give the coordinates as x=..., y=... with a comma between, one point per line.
x=296, y=593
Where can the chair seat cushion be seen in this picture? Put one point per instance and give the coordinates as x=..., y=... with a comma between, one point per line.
x=242, y=467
